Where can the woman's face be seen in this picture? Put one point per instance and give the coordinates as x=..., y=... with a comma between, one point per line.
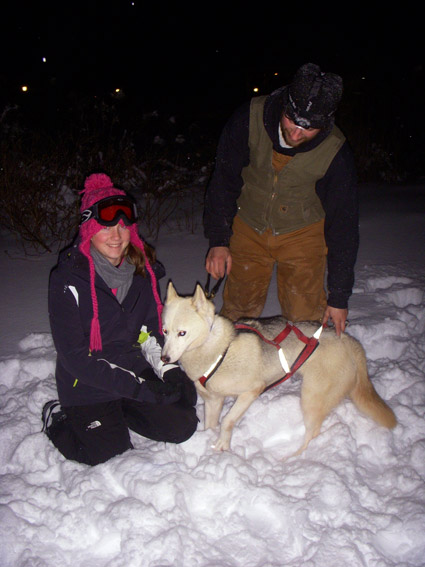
x=112, y=242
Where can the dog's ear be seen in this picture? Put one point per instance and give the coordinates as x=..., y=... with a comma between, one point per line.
x=199, y=300
x=171, y=293
x=203, y=306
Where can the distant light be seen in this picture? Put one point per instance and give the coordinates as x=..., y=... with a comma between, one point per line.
x=276, y=74
x=256, y=89
x=44, y=60
x=24, y=88
x=118, y=93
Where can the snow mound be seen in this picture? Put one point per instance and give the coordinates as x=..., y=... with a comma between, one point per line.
x=356, y=496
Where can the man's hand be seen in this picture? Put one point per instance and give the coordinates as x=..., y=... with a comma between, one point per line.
x=338, y=318
x=218, y=262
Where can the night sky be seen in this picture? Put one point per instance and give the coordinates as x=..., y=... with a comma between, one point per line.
x=201, y=62
x=196, y=54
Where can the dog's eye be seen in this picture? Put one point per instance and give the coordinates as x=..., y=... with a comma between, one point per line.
x=164, y=331
x=182, y=333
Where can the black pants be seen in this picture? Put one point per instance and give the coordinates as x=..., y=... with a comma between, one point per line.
x=93, y=434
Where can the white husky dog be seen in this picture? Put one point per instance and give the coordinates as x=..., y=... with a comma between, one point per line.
x=224, y=361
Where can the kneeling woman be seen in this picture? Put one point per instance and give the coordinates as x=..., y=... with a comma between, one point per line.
x=105, y=317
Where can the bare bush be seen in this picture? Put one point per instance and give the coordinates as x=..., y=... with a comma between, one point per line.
x=37, y=203
x=41, y=176
x=166, y=193
x=41, y=216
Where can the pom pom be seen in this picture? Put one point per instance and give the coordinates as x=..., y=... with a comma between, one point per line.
x=98, y=181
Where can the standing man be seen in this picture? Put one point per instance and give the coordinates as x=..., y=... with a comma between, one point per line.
x=284, y=193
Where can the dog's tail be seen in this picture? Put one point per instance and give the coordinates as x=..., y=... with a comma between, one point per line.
x=366, y=397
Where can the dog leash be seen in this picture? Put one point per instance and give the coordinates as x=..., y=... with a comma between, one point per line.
x=211, y=294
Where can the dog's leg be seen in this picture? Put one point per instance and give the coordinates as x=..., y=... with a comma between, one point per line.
x=242, y=403
x=213, y=404
x=213, y=407
x=313, y=423
x=317, y=401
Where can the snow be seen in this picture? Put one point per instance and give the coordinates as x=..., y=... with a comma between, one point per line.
x=355, y=497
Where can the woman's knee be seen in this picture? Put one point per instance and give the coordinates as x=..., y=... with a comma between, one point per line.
x=92, y=434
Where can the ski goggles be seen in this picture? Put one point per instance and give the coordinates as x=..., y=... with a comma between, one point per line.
x=110, y=210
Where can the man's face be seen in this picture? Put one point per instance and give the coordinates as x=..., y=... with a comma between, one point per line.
x=295, y=135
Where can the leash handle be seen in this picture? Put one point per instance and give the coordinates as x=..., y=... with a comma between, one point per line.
x=211, y=294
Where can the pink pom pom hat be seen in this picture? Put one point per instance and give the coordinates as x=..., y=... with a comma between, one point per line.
x=99, y=186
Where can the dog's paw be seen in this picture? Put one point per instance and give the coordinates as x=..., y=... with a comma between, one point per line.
x=221, y=445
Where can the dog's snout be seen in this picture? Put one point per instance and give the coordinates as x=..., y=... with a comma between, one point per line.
x=165, y=358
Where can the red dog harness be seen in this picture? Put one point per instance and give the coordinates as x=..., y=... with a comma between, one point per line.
x=311, y=343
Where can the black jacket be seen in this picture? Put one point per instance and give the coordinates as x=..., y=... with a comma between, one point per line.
x=87, y=378
x=337, y=191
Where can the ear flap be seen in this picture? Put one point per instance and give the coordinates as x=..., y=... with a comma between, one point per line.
x=171, y=293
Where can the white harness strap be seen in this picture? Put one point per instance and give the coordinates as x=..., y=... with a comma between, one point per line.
x=282, y=357
x=283, y=361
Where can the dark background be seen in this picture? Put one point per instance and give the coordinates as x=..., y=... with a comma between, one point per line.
x=203, y=60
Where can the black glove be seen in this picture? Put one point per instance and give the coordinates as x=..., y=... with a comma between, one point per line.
x=176, y=376
x=152, y=390
x=164, y=392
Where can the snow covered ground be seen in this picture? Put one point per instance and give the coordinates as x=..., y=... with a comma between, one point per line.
x=355, y=497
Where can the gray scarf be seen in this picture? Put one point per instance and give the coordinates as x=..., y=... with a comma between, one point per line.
x=116, y=277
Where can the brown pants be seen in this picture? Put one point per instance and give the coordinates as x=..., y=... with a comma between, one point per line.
x=301, y=262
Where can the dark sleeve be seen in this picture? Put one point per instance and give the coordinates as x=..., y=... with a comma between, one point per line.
x=97, y=370
x=226, y=181
x=339, y=196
